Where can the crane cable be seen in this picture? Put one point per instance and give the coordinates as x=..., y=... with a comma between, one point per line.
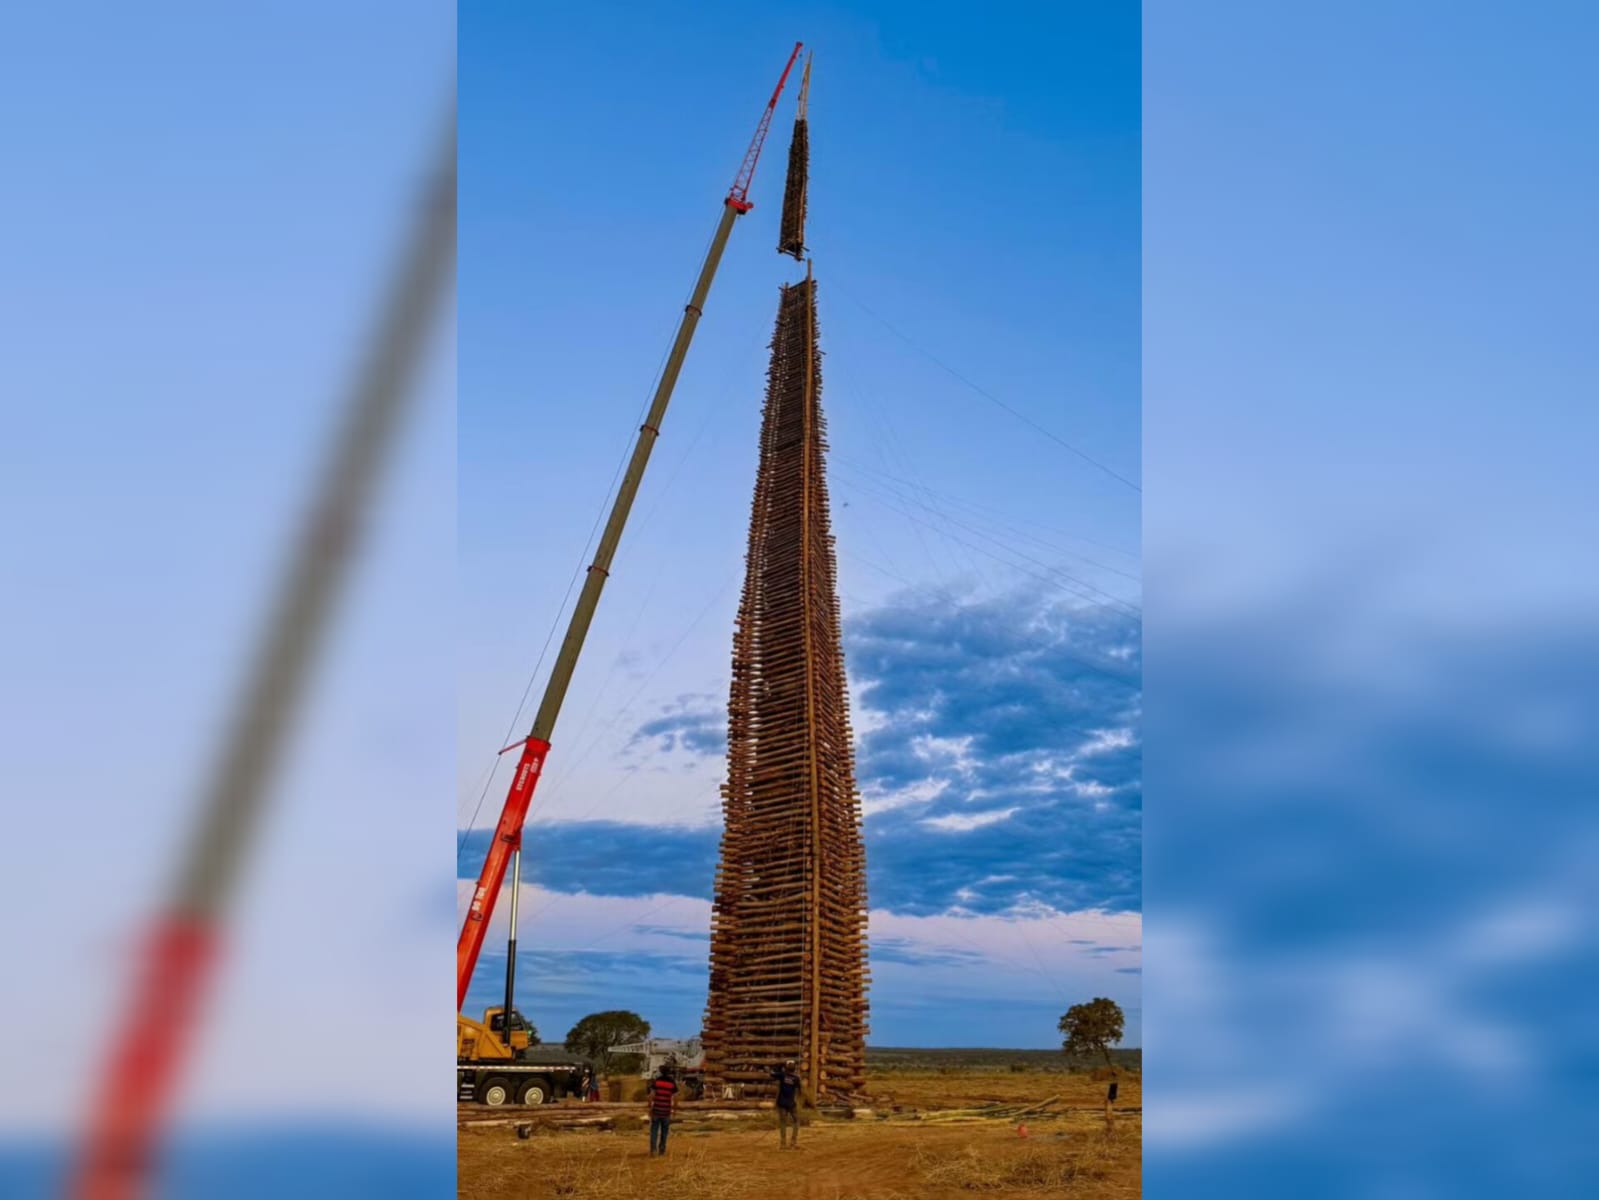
x=527, y=691
x=987, y=395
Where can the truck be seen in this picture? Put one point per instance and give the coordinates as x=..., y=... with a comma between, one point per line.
x=496, y=1067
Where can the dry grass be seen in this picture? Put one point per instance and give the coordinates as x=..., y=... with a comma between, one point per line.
x=591, y=1174
x=863, y=1159
x=1086, y=1165
x=929, y=1090
x=587, y=1167
x=585, y=1172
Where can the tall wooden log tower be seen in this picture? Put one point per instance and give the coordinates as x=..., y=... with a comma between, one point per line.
x=788, y=934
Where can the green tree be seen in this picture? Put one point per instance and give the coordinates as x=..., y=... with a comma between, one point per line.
x=597, y=1034
x=1092, y=1027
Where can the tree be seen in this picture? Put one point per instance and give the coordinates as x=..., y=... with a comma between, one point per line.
x=597, y=1034
x=1092, y=1027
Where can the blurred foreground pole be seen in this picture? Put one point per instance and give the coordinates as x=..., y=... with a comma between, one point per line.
x=175, y=962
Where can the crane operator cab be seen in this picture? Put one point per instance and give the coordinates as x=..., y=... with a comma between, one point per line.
x=488, y=1039
x=518, y=1028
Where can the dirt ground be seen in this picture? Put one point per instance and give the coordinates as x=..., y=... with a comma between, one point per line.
x=901, y=1156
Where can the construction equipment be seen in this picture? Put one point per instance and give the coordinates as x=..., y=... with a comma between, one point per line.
x=496, y=1061
x=495, y=1064
x=685, y=1057
x=507, y=840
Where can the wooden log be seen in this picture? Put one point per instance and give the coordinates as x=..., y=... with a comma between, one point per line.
x=789, y=906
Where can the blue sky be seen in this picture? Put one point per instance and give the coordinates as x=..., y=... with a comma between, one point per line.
x=1369, y=384
x=975, y=229
x=1363, y=217
x=207, y=203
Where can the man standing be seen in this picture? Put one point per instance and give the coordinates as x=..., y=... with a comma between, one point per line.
x=662, y=1104
x=788, y=1087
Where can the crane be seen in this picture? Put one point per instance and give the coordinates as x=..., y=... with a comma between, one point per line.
x=507, y=840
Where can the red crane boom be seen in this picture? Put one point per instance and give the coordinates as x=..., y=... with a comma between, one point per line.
x=738, y=194
x=507, y=839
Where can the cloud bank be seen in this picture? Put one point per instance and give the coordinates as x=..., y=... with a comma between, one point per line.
x=999, y=758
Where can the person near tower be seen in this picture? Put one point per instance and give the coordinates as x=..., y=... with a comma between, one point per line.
x=662, y=1106
x=788, y=1092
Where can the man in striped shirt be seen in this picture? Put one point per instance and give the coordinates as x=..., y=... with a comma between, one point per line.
x=662, y=1103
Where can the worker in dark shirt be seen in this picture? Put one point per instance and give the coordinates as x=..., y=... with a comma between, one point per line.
x=788, y=1089
x=662, y=1104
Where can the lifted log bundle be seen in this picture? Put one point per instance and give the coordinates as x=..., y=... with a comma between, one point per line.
x=791, y=229
x=791, y=238
x=788, y=930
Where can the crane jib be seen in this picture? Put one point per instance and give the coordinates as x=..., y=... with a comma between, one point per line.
x=508, y=832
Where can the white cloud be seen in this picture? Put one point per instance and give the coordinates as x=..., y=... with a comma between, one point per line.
x=966, y=822
x=1203, y=1119
x=1344, y=1022
x=1029, y=951
x=863, y=720
x=923, y=791
x=1031, y=946
x=579, y=921
x=1104, y=740
x=954, y=751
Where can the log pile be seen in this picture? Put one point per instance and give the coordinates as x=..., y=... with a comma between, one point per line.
x=788, y=977
x=791, y=229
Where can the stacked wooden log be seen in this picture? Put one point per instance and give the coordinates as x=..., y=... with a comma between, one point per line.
x=788, y=977
x=791, y=229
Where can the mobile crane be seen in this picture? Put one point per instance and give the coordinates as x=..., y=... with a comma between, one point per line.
x=492, y=1055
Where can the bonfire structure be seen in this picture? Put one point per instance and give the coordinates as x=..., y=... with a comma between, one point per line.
x=791, y=229
x=788, y=934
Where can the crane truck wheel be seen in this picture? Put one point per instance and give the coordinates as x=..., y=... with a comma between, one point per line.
x=534, y=1091
x=494, y=1092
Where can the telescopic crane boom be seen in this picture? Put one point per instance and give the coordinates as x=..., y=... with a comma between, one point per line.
x=508, y=832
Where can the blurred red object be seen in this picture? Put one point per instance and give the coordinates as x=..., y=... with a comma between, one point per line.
x=177, y=963
x=140, y=1080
